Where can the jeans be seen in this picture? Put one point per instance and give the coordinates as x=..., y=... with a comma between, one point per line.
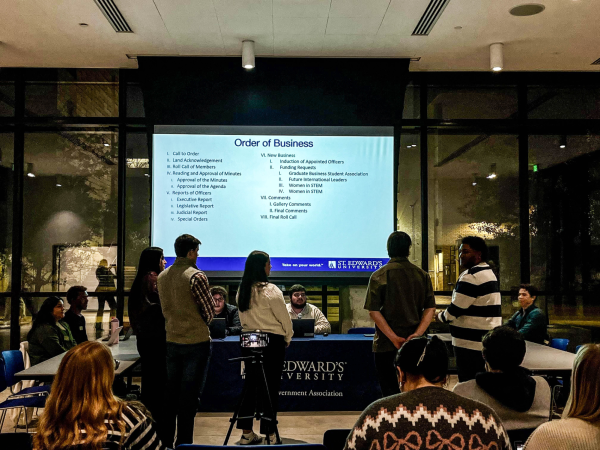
x=256, y=398
x=187, y=366
x=387, y=374
x=469, y=363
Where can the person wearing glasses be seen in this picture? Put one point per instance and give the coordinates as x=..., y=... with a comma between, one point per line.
x=299, y=308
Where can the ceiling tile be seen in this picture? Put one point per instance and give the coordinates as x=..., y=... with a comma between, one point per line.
x=298, y=45
x=347, y=45
x=358, y=8
x=394, y=46
x=245, y=8
x=200, y=44
x=301, y=8
x=243, y=27
x=299, y=25
x=353, y=25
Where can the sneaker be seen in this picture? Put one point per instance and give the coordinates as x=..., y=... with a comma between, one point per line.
x=252, y=439
x=273, y=440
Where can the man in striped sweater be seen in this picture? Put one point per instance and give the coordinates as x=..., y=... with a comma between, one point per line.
x=475, y=309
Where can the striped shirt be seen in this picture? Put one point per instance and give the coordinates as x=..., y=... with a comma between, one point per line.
x=140, y=432
x=476, y=307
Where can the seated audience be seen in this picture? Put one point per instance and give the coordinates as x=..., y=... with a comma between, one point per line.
x=224, y=310
x=82, y=412
x=77, y=297
x=50, y=335
x=529, y=320
x=580, y=427
x=425, y=415
x=299, y=308
x=521, y=401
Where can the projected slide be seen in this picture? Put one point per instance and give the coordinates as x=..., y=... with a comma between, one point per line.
x=315, y=203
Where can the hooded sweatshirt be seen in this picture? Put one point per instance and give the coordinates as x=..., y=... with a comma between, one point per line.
x=521, y=401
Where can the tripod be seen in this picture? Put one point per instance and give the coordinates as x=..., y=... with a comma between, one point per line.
x=255, y=358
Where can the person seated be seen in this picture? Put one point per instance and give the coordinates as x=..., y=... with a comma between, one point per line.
x=50, y=335
x=224, y=310
x=299, y=308
x=424, y=414
x=529, y=320
x=580, y=427
x=77, y=297
x=85, y=414
x=521, y=401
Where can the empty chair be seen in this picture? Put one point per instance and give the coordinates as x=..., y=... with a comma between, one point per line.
x=13, y=363
x=362, y=330
x=578, y=347
x=335, y=439
x=560, y=344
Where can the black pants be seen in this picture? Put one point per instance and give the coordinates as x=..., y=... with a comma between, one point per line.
x=153, y=352
x=469, y=363
x=187, y=365
x=387, y=373
x=256, y=396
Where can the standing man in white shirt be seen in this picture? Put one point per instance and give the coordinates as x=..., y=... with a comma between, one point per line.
x=299, y=308
x=476, y=307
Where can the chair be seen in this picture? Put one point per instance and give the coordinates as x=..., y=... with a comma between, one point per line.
x=362, y=330
x=16, y=441
x=258, y=447
x=554, y=402
x=577, y=348
x=560, y=344
x=20, y=403
x=335, y=439
x=13, y=363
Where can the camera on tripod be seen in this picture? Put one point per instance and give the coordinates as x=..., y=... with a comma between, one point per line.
x=254, y=339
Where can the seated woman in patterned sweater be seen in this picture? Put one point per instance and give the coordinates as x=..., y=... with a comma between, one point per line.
x=425, y=415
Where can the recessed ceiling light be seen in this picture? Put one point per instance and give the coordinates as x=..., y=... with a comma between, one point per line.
x=529, y=9
x=83, y=24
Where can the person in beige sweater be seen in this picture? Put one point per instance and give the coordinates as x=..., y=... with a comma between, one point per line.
x=580, y=427
x=262, y=307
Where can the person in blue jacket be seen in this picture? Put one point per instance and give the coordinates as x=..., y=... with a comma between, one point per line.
x=530, y=320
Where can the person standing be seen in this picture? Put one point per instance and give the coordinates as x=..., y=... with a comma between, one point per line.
x=529, y=320
x=262, y=307
x=476, y=307
x=400, y=301
x=188, y=309
x=106, y=283
x=77, y=297
x=148, y=322
x=299, y=308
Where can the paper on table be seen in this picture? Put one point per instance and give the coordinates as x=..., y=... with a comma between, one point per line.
x=114, y=336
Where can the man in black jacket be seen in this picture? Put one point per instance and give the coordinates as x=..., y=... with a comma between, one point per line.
x=223, y=310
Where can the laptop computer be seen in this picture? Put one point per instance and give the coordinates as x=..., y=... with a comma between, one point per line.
x=303, y=327
x=217, y=328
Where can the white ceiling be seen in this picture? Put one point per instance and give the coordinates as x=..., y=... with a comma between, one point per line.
x=46, y=33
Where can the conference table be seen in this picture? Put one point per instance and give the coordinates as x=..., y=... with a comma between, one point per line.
x=324, y=373
x=125, y=352
x=539, y=359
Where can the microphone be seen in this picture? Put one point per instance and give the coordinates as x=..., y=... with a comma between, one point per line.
x=300, y=316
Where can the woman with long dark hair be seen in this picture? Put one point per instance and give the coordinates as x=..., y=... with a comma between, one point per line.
x=148, y=322
x=262, y=307
x=49, y=335
x=82, y=412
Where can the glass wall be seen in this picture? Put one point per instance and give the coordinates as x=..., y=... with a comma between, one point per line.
x=473, y=190
x=484, y=136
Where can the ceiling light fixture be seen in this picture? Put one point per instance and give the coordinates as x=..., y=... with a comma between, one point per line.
x=29, y=170
x=563, y=142
x=83, y=25
x=497, y=57
x=492, y=174
x=248, y=61
x=529, y=9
